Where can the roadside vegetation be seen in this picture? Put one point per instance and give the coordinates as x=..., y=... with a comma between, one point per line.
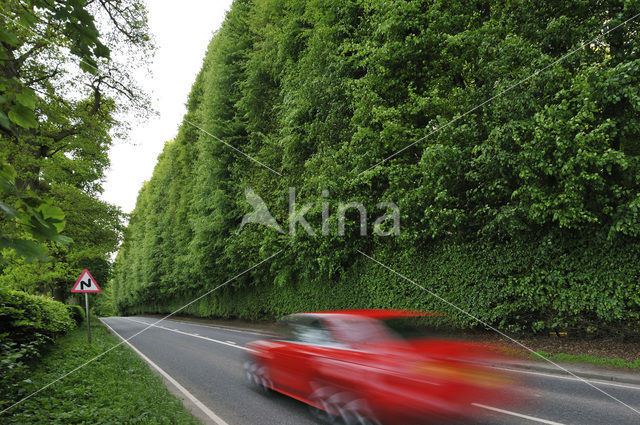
x=29, y=324
x=525, y=212
x=117, y=388
x=590, y=359
x=64, y=90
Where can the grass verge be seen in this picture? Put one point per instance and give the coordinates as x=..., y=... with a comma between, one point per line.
x=587, y=358
x=118, y=388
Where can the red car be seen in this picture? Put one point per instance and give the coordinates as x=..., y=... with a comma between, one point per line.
x=364, y=367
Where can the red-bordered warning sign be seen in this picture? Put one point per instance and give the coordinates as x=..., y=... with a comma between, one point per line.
x=86, y=283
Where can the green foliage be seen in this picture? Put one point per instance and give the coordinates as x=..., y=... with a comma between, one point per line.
x=517, y=286
x=28, y=324
x=24, y=315
x=61, y=96
x=524, y=211
x=104, y=305
x=587, y=358
x=37, y=217
x=60, y=93
x=128, y=391
x=77, y=313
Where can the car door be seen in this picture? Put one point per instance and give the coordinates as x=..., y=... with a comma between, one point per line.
x=294, y=357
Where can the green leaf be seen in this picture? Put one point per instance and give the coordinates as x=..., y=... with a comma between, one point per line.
x=27, y=98
x=53, y=216
x=61, y=239
x=27, y=18
x=7, y=171
x=6, y=185
x=29, y=249
x=101, y=51
x=51, y=211
x=89, y=66
x=4, y=121
x=9, y=38
x=23, y=116
x=8, y=210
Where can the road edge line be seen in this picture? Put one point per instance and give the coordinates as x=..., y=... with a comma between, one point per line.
x=176, y=385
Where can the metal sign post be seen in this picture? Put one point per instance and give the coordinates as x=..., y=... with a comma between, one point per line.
x=85, y=284
x=86, y=305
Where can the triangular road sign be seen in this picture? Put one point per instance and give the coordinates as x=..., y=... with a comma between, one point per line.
x=86, y=283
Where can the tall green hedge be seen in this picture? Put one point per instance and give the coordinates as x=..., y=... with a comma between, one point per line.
x=524, y=211
x=516, y=286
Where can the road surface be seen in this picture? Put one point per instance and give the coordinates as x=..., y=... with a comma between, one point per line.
x=207, y=361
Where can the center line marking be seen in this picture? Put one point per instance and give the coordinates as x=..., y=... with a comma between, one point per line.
x=190, y=334
x=568, y=378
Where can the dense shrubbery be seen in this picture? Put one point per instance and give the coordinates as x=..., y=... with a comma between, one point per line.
x=77, y=313
x=27, y=324
x=576, y=285
x=525, y=211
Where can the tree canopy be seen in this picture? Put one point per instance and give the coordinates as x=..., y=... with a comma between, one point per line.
x=64, y=93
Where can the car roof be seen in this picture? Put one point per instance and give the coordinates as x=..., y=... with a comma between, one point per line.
x=372, y=313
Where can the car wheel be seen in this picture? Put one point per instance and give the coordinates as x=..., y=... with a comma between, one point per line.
x=339, y=407
x=258, y=376
x=321, y=397
x=357, y=412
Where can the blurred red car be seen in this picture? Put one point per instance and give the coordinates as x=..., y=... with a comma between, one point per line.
x=363, y=367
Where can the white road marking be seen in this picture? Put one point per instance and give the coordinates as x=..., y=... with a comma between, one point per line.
x=519, y=415
x=223, y=327
x=190, y=334
x=551, y=375
x=231, y=342
x=215, y=418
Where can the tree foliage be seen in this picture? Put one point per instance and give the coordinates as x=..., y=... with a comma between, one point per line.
x=523, y=210
x=63, y=93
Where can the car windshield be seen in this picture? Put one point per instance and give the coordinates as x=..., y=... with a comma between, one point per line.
x=303, y=329
x=364, y=330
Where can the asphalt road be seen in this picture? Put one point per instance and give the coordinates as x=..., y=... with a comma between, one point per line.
x=207, y=361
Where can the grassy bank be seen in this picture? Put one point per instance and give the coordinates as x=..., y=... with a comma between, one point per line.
x=590, y=359
x=118, y=388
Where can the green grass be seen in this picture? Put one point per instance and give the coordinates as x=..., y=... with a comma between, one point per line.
x=118, y=388
x=586, y=358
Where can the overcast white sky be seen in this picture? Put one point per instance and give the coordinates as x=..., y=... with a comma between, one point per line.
x=182, y=31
